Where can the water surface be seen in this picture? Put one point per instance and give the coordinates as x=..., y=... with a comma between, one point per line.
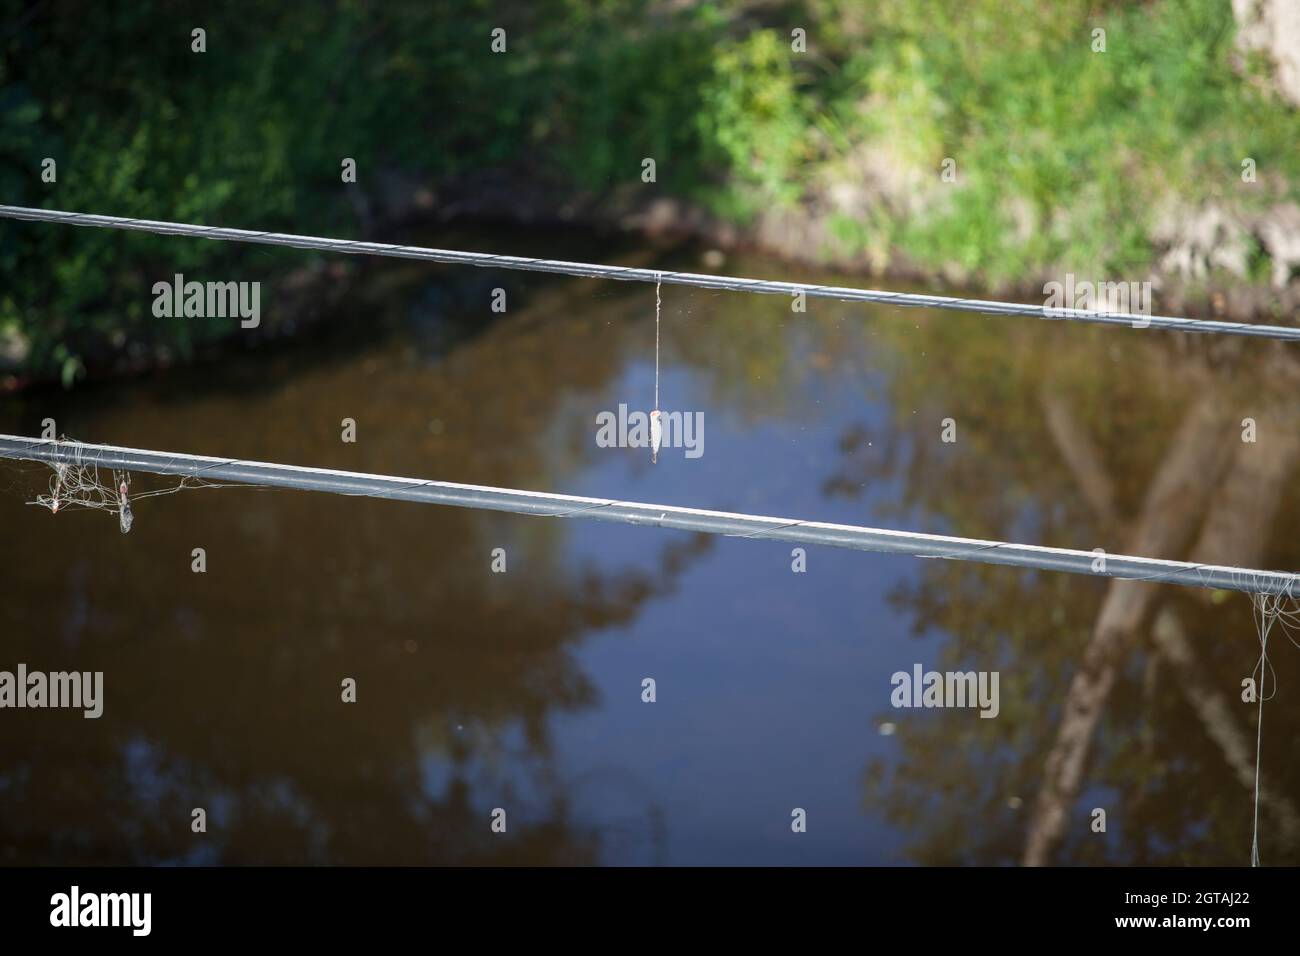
x=523, y=690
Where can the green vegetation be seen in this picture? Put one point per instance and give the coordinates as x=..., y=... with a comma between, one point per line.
x=1064, y=156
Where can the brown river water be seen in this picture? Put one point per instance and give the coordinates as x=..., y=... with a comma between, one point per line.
x=522, y=690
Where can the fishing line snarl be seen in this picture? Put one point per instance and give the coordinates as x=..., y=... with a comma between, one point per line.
x=76, y=485
x=1269, y=609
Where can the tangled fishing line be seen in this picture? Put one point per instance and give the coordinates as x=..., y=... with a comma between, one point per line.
x=1269, y=609
x=80, y=486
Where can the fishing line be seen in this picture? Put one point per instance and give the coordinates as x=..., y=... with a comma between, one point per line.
x=656, y=417
x=657, y=305
x=1268, y=609
x=77, y=485
x=1263, y=624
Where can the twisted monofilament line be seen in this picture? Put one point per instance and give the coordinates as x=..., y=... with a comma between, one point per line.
x=630, y=274
x=732, y=524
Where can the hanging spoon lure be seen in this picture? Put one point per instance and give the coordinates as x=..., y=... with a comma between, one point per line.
x=58, y=487
x=124, y=516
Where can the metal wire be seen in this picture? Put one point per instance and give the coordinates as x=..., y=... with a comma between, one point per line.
x=628, y=274
x=663, y=516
